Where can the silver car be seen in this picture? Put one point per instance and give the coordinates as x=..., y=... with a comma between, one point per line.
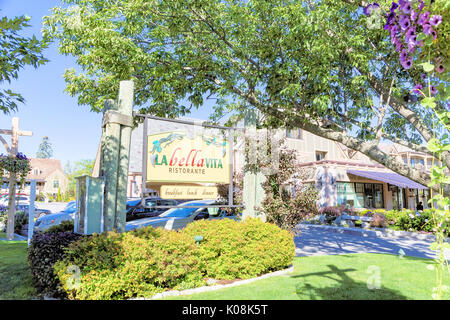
x=53, y=219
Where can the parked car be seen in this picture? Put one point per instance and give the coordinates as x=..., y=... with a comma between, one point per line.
x=20, y=199
x=53, y=219
x=135, y=209
x=37, y=212
x=178, y=218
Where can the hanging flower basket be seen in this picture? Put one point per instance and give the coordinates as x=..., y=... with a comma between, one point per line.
x=18, y=164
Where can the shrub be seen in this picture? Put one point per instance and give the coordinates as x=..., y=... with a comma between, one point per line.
x=20, y=219
x=132, y=264
x=288, y=212
x=64, y=226
x=332, y=212
x=46, y=248
x=146, y=261
x=408, y=220
x=243, y=250
x=379, y=220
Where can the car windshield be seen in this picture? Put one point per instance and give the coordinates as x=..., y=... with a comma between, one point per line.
x=182, y=212
x=178, y=212
x=71, y=207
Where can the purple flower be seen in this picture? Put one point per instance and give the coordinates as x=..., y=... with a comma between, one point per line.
x=417, y=87
x=398, y=46
x=406, y=63
x=414, y=15
x=404, y=22
x=403, y=55
x=411, y=46
x=434, y=34
x=406, y=7
x=394, y=29
x=423, y=18
x=435, y=20
x=390, y=20
x=427, y=28
x=422, y=4
x=440, y=68
x=369, y=8
x=433, y=90
x=418, y=214
x=409, y=33
x=394, y=6
x=411, y=216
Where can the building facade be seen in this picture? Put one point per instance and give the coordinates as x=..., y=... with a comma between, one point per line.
x=346, y=177
x=341, y=175
x=49, y=176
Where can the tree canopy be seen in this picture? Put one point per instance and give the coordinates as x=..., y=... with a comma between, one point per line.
x=320, y=66
x=16, y=52
x=45, y=150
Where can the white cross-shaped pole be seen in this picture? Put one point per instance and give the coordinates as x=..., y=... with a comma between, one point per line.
x=12, y=151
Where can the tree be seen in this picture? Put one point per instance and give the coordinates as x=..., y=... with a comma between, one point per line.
x=16, y=52
x=80, y=168
x=45, y=149
x=315, y=65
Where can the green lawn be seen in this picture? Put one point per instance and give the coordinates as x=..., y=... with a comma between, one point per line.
x=15, y=278
x=340, y=277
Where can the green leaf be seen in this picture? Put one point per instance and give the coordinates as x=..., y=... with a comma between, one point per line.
x=428, y=102
x=434, y=246
x=433, y=145
x=427, y=67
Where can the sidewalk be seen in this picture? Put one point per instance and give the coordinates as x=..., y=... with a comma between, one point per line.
x=323, y=240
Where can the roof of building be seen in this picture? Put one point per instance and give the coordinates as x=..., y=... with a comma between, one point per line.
x=45, y=166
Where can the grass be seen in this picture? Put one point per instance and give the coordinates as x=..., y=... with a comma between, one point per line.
x=337, y=277
x=340, y=277
x=15, y=278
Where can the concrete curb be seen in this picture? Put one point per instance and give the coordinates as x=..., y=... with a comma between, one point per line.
x=17, y=237
x=173, y=293
x=374, y=232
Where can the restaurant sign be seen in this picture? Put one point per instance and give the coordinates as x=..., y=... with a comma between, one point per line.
x=177, y=157
x=188, y=192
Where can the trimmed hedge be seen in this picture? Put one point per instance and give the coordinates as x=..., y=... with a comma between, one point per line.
x=232, y=250
x=146, y=261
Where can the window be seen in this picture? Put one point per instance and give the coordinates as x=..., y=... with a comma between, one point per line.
x=55, y=184
x=429, y=163
x=36, y=171
x=360, y=195
x=294, y=133
x=416, y=161
x=320, y=155
x=405, y=160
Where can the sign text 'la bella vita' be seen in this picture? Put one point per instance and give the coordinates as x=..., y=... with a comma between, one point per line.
x=176, y=157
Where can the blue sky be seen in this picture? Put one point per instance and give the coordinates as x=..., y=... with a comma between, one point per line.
x=74, y=131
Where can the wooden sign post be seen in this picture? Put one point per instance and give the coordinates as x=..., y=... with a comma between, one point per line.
x=12, y=151
x=114, y=156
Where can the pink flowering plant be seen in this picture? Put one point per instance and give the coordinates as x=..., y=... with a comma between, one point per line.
x=419, y=32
